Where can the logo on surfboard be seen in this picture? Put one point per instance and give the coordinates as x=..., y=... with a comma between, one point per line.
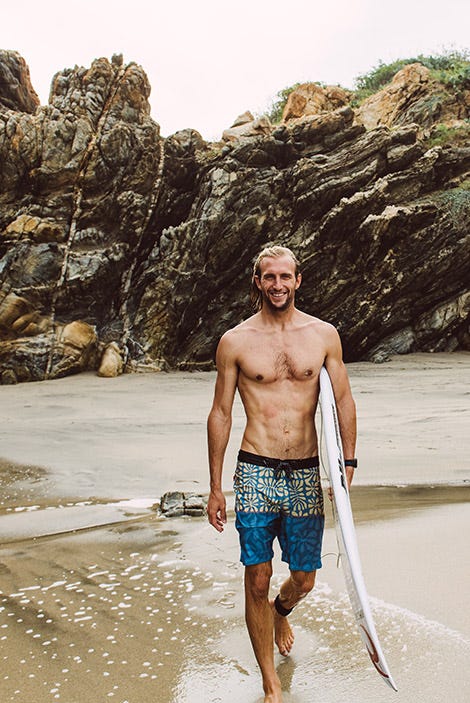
x=373, y=654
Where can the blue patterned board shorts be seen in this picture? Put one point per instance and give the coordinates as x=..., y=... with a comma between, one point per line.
x=283, y=499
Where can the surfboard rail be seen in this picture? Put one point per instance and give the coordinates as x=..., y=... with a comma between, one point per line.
x=346, y=532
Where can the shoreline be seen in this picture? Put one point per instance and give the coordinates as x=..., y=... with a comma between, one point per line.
x=370, y=504
x=137, y=435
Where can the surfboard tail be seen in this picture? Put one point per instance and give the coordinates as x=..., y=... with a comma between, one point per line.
x=377, y=657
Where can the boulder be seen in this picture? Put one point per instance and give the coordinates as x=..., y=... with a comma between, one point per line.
x=413, y=96
x=313, y=99
x=78, y=338
x=18, y=318
x=58, y=352
x=112, y=363
x=247, y=126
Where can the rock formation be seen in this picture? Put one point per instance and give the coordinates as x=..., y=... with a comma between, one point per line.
x=414, y=96
x=312, y=99
x=16, y=91
x=247, y=126
x=112, y=237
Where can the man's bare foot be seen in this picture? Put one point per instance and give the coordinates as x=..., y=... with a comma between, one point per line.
x=283, y=634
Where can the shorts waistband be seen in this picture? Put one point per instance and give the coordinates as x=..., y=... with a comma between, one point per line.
x=270, y=462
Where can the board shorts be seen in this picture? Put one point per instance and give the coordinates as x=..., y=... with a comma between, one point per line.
x=283, y=499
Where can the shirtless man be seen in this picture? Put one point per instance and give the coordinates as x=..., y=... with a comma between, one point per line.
x=274, y=360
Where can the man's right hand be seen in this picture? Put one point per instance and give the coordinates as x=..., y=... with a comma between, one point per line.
x=216, y=510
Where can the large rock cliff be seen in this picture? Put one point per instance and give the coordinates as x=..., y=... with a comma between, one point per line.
x=114, y=238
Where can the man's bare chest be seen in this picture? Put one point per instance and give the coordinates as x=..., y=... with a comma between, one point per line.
x=266, y=364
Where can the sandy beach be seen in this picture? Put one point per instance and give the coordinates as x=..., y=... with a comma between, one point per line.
x=104, y=599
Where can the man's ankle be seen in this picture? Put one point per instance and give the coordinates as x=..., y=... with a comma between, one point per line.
x=272, y=685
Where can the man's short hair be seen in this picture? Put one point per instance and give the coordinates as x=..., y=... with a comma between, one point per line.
x=274, y=252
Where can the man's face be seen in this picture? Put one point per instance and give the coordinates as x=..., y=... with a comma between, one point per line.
x=277, y=282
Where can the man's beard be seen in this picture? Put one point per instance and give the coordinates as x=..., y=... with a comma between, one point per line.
x=277, y=308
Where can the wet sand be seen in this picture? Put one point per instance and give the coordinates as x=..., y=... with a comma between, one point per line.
x=104, y=599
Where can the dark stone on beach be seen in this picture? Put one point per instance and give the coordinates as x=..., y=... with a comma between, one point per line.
x=150, y=241
x=176, y=504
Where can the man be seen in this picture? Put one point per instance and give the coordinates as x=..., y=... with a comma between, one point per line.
x=274, y=360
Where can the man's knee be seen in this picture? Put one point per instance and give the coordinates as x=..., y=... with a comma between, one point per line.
x=257, y=580
x=303, y=581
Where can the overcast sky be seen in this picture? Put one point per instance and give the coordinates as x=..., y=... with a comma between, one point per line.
x=210, y=60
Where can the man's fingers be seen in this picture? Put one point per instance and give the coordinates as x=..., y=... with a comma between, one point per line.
x=217, y=518
x=216, y=510
x=217, y=522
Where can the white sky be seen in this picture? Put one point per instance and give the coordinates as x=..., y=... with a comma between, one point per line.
x=208, y=60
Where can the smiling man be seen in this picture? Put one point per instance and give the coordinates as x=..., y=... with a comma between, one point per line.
x=274, y=360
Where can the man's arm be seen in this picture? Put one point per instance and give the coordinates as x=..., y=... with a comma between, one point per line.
x=219, y=424
x=344, y=401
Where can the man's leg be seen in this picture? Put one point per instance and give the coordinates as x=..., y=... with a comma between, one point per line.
x=296, y=587
x=259, y=621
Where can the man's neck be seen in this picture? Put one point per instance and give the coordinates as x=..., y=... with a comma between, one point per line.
x=278, y=318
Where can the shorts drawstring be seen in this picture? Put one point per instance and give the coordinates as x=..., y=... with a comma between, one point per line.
x=283, y=468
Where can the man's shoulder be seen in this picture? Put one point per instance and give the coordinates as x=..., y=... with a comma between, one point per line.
x=243, y=328
x=235, y=336
x=316, y=324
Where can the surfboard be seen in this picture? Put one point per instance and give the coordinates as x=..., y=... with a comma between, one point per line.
x=345, y=530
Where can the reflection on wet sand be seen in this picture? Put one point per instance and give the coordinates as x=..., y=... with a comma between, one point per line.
x=151, y=609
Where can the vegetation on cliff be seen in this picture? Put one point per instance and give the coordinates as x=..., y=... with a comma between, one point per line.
x=451, y=68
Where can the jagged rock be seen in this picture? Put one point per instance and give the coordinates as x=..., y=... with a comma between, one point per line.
x=150, y=241
x=18, y=318
x=244, y=118
x=247, y=126
x=16, y=91
x=30, y=346
x=413, y=96
x=313, y=99
x=176, y=504
x=59, y=352
x=36, y=229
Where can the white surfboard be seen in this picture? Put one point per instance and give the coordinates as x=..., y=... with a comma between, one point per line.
x=345, y=531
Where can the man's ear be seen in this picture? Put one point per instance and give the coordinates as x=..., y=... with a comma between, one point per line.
x=258, y=282
x=298, y=281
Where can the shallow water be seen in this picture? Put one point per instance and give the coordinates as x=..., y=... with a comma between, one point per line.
x=151, y=609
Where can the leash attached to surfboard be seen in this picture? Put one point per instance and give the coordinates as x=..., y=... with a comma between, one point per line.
x=345, y=530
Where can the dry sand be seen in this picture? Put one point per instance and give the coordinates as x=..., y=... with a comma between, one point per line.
x=102, y=599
